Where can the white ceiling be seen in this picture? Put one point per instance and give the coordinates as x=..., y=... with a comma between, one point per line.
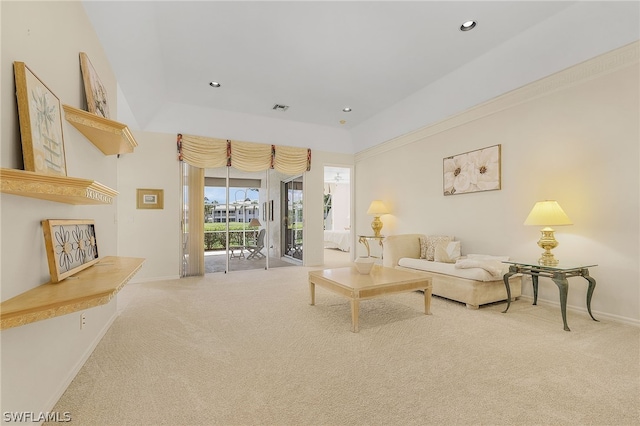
x=316, y=57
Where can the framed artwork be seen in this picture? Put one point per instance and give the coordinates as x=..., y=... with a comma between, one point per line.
x=472, y=171
x=40, y=114
x=71, y=246
x=97, y=102
x=150, y=199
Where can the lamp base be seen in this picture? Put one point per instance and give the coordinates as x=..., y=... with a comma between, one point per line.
x=376, y=225
x=547, y=259
x=547, y=242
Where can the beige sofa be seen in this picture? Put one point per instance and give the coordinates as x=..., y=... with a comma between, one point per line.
x=473, y=287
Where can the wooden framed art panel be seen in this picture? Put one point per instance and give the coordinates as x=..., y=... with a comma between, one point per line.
x=40, y=113
x=71, y=246
x=150, y=198
x=97, y=102
x=473, y=171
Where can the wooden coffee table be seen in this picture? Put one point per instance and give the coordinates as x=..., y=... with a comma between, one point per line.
x=381, y=281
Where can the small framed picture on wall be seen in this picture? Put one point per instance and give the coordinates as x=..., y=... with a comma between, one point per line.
x=150, y=198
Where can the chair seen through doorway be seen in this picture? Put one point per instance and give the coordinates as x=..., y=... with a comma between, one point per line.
x=255, y=252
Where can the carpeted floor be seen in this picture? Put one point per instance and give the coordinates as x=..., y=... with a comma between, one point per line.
x=246, y=348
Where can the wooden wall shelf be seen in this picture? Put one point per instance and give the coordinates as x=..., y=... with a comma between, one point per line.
x=62, y=189
x=109, y=136
x=91, y=287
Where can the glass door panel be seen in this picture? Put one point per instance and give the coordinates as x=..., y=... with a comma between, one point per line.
x=247, y=236
x=292, y=201
x=245, y=221
x=215, y=218
x=232, y=214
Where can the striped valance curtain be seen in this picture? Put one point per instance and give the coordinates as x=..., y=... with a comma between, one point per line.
x=207, y=153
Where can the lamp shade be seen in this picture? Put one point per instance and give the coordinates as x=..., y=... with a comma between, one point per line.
x=377, y=208
x=255, y=222
x=547, y=213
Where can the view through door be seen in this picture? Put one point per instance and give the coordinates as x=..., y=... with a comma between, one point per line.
x=292, y=229
x=338, y=238
x=232, y=220
x=243, y=215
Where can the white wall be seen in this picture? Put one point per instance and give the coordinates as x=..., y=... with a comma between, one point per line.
x=572, y=137
x=151, y=234
x=248, y=128
x=38, y=360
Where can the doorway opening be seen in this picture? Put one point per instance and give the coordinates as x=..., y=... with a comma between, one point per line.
x=241, y=226
x=338, y=238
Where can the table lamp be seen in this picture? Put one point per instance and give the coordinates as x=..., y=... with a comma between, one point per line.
x=254, y=222
x=547, y=213
x=377, y=209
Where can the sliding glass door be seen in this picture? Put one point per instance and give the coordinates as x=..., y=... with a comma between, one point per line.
x=235, y=220
x=235, y=236
x=246, y=229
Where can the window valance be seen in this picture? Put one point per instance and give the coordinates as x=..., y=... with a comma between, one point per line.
x=206, y=153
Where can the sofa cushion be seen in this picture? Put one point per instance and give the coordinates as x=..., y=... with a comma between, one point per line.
x=486, y=257
x=477, y=274
x=428, y=245
x=447, y=252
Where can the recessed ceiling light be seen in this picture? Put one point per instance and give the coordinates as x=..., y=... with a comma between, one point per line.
x=346, y=109
x=214, y=84
x=469, y=25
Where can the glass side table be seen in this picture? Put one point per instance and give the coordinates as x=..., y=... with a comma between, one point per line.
x=364, y=240
x=558, y=274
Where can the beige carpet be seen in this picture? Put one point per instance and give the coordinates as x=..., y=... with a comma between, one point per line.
x=246, y=348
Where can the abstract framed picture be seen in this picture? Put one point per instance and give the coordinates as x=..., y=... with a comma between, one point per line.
x=97, y=102
x=473, y=171
x=71, y=246
x=40, y=114
x=150, y=199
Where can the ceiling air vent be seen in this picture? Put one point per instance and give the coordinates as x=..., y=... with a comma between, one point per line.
x=278, y=107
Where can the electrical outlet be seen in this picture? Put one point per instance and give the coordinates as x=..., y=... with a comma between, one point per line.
x=83, y=320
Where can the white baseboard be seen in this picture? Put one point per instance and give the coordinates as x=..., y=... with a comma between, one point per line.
x=582, y=309
x=76, y=369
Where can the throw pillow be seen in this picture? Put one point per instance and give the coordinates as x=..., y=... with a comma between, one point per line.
x=432, y=242
x=447, y=252
x=423, y=247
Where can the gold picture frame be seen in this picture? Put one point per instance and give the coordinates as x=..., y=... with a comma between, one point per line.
x=150, y=198
x=96, y=93
x=40, y=114
x=71, y=246
x=473, y=171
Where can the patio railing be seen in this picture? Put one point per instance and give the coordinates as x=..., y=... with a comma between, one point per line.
x=217, y=240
